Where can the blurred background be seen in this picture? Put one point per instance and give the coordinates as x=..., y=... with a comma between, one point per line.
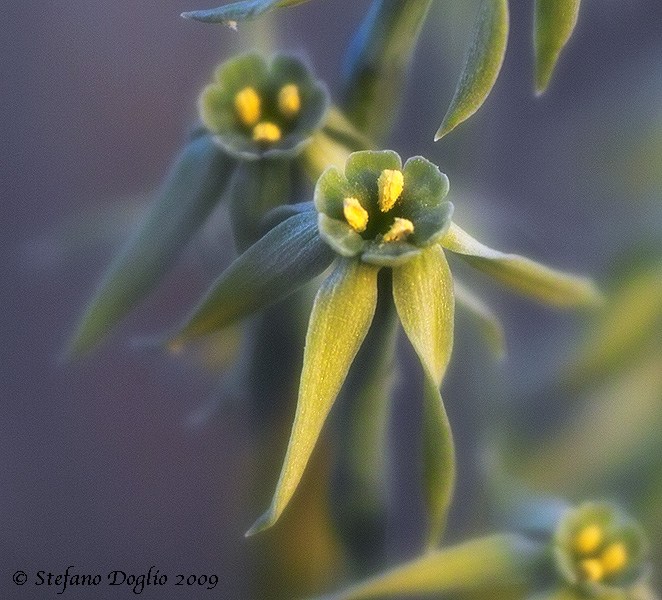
x=101, y=466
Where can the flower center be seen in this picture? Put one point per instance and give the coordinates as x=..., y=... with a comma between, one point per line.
x=289, y=101
x=598, y=561
x=383, y=226
x=247, y=106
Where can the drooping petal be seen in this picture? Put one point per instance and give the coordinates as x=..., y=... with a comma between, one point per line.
x=283, y=260
x=482, y=65
x=424, y=298
x=555, y=21
x=522, y=274
x=193, y=188
x=341, y=316
x=488, y=323
x=499, y=561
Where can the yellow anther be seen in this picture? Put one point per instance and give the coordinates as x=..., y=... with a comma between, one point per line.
x=247, y=105
x=391, y=183
x=588, y=540
x=400, y=230
x=356, y=215
x=266, y=132
x=592, y=569
x=614, y=558
x=289, y=102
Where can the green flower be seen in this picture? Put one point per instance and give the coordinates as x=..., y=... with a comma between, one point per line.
x=599, y=550
x=377, y=215
x=258, y=111
x=379, y=211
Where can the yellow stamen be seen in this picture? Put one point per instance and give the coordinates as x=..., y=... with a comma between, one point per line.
x=247, y=105
x=588, y=540
x=289, y=102
x=400, y=230
x=356, y=215
x=391, y=183
x=266, y=132
x=592, y=569
x=614, y=558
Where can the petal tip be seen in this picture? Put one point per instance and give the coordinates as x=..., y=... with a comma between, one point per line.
x=263, y=522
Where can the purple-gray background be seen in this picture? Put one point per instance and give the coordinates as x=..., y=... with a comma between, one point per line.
x=98, y=469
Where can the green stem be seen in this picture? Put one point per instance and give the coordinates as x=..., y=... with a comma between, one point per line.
x=359, y=477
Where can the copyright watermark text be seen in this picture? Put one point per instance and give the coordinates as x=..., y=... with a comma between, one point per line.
x=135, y=582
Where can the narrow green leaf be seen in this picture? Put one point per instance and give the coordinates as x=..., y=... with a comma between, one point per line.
x=192, y=190
x=283, y=260
x=231, y=14
x=555, y=21
x=377, y=62
x=341, y=316
x=482, y=64
x=423, y=294
x=480, y=564
x=522, y=274
x=488, y=323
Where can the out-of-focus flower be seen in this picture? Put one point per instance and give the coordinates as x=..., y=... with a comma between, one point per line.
x=257, y=110
x=599, y=550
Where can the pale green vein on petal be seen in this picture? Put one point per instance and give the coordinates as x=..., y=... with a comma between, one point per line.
x=488, y=323
x=522, y=274
x=480, y=564
x=554, y=23
x=482, y=64
x=424, y=298
x=340, y=319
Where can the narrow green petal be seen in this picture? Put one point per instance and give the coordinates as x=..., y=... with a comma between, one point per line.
x=424, y=298
x=341, y=316
x=488, y=323
x=482, y=564
x=192, y=190
x=231, y=14
x=522, y=274
x=423, y=293
x=377, y=62
x=482, y=65
x=283, y=260
x=555, y=21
